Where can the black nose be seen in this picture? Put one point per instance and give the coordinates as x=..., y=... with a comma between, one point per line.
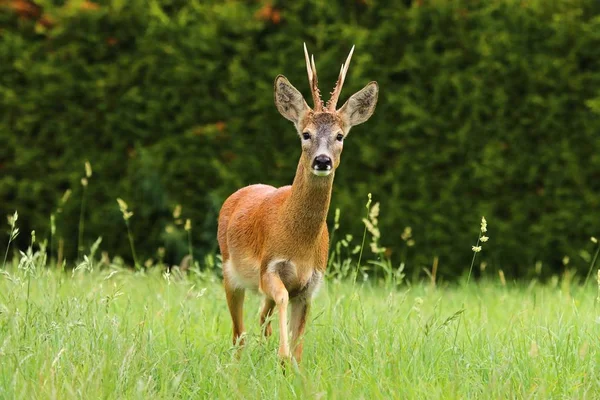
x=322, y=163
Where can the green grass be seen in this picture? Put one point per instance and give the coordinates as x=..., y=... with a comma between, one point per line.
x=107, y=334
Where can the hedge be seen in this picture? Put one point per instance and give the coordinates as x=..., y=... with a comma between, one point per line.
x=486, y=108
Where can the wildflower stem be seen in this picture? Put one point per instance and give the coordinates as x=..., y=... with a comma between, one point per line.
x=130, y=236
x=81, y=224
x=592, y=265
x=11, y=236
x=6, y=252
x=331, y=237
x=190, y=249
x=126, y=215
x=473, y=260
x=458, y=326
x=51, y=236
x=167, y=276
x=167, y=314
x=336, y=226
x=362, y=245
x=27, y=304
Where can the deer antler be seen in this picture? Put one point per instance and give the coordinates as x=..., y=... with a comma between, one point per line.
x=311, y=69
x=335, y=95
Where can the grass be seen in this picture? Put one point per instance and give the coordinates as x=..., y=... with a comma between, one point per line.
x=105, y=331
x=116, y=333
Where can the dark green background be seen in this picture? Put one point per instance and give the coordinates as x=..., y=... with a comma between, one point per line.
x=485, y=108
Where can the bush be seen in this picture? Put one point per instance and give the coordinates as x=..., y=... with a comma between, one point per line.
x=486, y=108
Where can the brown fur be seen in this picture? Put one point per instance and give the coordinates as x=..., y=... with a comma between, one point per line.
x=276, y=240
x=262, y=223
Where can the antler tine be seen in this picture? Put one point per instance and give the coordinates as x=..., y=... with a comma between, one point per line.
x=337, y=90
x=311, y=69
x=308, y=68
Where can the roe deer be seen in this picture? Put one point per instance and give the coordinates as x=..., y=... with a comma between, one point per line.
x=276, y=240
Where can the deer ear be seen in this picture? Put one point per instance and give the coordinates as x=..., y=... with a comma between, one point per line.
x=360, y=106
x=289, y=100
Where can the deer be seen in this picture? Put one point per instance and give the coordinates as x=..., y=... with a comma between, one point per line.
x=275, y=240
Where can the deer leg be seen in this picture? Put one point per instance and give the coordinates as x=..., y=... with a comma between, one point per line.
x=265, y=314
x=300, y=309
x=235, y=302
x=273, y=287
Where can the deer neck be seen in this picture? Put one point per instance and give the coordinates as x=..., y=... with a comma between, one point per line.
x=305, y=211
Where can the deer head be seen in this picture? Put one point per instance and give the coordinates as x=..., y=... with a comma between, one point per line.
x=322, y=129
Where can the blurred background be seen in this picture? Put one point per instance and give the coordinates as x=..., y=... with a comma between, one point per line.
x=486, y=108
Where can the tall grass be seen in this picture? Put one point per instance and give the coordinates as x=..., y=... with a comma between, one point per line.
x=362, y=246
x=117, y=333
x=188, y=229
x=126, y=217
x=12, y=235
x=594, y=259
x=84, y=186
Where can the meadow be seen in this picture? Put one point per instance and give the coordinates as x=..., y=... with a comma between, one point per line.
x=172, y=102
x=105, y=331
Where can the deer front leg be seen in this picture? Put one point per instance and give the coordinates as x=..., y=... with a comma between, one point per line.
x=273, y=287
x=300, y=309
x=265, y=314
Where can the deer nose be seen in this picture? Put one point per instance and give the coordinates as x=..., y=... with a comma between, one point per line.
x=322, y=163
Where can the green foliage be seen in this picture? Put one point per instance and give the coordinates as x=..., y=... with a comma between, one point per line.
x=486, y=108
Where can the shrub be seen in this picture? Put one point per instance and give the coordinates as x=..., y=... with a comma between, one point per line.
x=486, y=108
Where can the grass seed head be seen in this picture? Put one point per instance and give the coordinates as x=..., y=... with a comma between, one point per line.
x=336, y=219
x=406, y=234
x=167, y=277
x=374, y=213
x=88, y=169
x=372, y=228
x=123, y=207
x=52, y=224
x=483, y=225
x=65, y=196
x=376, y=249
x=177, y=211
x=12, y=219
x=122, y=204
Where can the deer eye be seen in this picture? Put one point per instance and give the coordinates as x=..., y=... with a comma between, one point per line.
x=339, y=137
x=306, y=136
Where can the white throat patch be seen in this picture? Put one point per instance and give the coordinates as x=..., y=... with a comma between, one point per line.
x=320, y=172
